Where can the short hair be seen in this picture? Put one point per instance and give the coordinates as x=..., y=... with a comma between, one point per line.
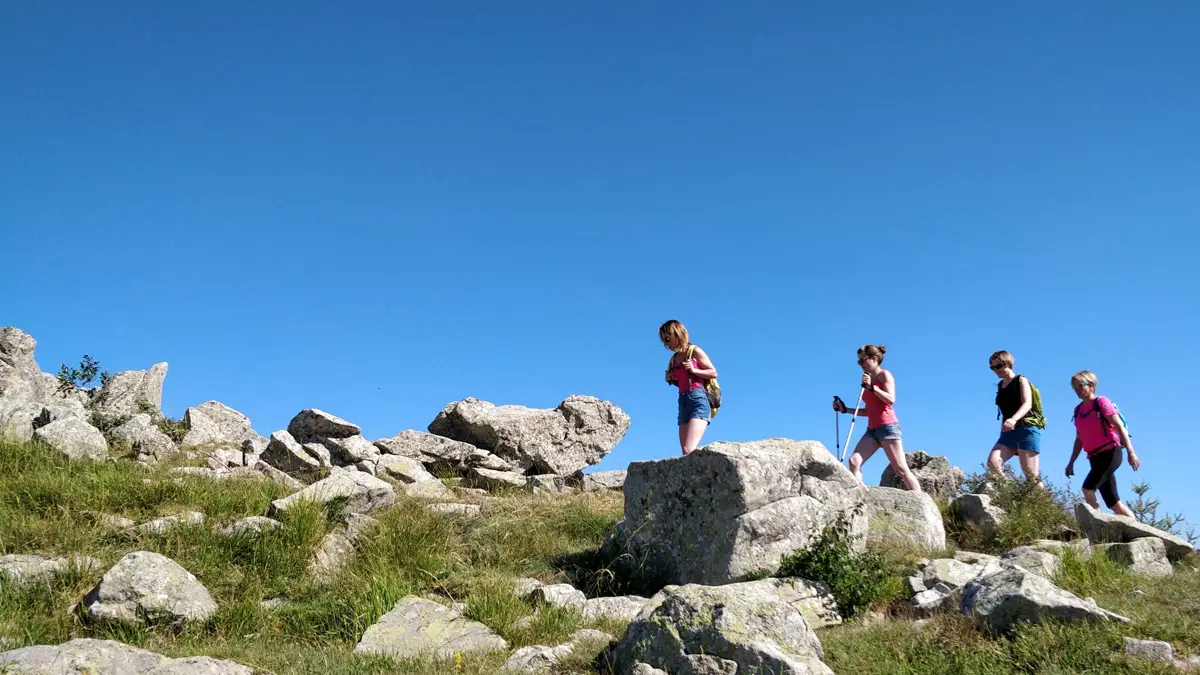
x=1003, y=357
x=874, y=351
x=1084, y=377
x=674, y=329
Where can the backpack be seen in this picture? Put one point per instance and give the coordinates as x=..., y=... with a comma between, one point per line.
x=1104, y=423
x=1034, y=417
x=711, y=388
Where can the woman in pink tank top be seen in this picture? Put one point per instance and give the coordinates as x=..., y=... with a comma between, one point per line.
x=688, y=369
x=883, y=427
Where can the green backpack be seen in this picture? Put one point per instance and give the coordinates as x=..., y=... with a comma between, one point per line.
x=1033, y=418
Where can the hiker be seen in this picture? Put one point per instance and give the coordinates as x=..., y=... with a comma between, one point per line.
x=1100, y=431
x=883, y=427
x=1020, y=407
x=689, y=369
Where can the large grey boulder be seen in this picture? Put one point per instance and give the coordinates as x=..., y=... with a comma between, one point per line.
x=977, y=512
x=58, y=408
x=417, y=627
x=131, y=392
x=562, y=440
x=215, y=422
x=403, y=469
x=287, y=455
x=23, y=389
x=734, y=628
x=1042, y=563
x=108, y=657
x=351, y=450
x=1109, y=527
x=1144, y=555
x=147, y=586
x=26, y=570
x=937, y=476
x=1000, y=601
x=145, y=438
x=426, y=448
x=361, y=492
x=74, y=438
x=902, y=517
x=314, y=426
x=488, y=479
x=603, y=480
x=618, y=608
x=729, y=511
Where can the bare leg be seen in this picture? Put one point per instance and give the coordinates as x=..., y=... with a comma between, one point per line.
x=862, y=452
x=1122, y=510
x=1089, y=496
x=999, y=455
x=691, y=433
x=894, y=449
x=1029, y=466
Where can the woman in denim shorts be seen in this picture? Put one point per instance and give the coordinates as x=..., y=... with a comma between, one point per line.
x=689, y=374
x=1020, y=430
x=883, y=427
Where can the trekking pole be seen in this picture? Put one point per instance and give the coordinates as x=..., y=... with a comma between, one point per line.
x=854, y=419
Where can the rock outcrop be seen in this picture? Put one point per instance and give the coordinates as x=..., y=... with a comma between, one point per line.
x=937, y=476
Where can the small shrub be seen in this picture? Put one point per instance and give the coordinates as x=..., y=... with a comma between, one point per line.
x=857, y=580
x=1035, y=511
x=1146, y=511
x=71, y=380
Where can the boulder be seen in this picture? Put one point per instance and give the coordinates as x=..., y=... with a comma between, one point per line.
x=494, y=480
x=562, y=441
x=277, y=476
x=619, y=608
x=559, y=595
x=58, y=408
x=1041, y=563
x=1111, y=528
x=250, y=525
x=108, y=657
x=313, y=426
x=215, y=422
x=525, y=586
x=546, y=483
x=938, y=478
x=144, y=438
x=903, y=517
x=1000, y=601
x=429, y=489
x=74, y=438
x=977, y=512
x=147, y=586
x=23, y=389
x=1144, y=555
x=734, y=628
x=321, y=454
x=426, y=448
x=730, y=511
x=131, y=392
x=1150, y=650
x=27, y=570
x=334, y=552
x=540, y=660
x=160, y=526
x=361, y=492
x=417, y=627
x=351, y=449
x=286, y=454
x=603, y=480
x=404, y=470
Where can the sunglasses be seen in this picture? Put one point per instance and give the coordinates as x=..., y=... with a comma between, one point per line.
x=996, y=366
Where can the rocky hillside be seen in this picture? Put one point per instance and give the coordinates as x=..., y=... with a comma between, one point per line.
x=130, y=543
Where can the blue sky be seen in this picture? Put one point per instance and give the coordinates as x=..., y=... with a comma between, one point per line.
x=377, y=208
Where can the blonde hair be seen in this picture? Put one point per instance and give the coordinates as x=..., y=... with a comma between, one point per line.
x=1084, y=377
x=674, y=329
x=1003, y=357
x=872, y=351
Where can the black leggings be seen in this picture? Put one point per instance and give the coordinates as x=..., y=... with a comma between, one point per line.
x=1102, y=477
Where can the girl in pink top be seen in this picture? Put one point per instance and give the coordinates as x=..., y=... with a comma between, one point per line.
x=688, y=370
x=883, y=427
x=1100, y=431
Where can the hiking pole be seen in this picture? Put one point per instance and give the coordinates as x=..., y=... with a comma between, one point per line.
x=854, y=419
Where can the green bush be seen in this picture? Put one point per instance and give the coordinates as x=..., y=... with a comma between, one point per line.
x=858, y=580
x=1036, y=510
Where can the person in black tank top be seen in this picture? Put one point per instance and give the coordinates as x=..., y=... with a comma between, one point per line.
x=1021, y=421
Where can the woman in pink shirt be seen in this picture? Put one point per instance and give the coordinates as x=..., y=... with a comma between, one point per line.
x=688, y=369
x=883, y=427
x=1100, y=431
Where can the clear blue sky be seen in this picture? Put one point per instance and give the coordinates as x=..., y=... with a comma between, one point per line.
x=376, y=208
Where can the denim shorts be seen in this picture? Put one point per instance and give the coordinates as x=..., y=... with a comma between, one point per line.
x=886, y=432
x=693, y=405
x=1028, y=439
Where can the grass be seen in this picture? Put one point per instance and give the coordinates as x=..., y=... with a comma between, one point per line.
x=45, y=502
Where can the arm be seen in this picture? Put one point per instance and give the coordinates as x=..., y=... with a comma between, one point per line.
x=1074, y=453
x=1123, y=433
x=706, y=369
x=885, y=390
